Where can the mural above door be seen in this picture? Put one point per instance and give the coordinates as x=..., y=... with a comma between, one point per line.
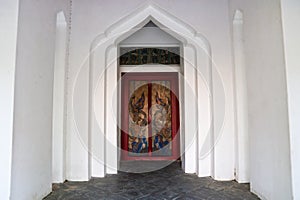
x=140, y=56
x=150, y=121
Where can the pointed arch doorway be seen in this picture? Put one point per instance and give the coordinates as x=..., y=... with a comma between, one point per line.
x=105, y=70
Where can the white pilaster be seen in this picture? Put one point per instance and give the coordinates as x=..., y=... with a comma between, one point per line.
x=190, y=113
x=241, y=103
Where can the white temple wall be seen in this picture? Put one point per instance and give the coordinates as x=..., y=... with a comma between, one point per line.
x=290, y=10
x=31, y=176
x=8, y=39
x=270, y=169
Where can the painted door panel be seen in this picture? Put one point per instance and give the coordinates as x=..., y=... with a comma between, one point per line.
x=150, y=116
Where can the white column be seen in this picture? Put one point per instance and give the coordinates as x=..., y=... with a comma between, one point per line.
x=77, y=143
x=205, y=122
x=290, y=10
x=111, y=112
x=97, y=112
x=241, y=104
x=190, y=111
x=58, y=134
x=8, y=41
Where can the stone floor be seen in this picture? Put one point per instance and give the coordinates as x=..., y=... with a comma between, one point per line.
x=167, y=183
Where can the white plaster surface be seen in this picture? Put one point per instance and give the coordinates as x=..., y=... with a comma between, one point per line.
x=291, y=30
x=32, y=135
x=270, y=170
x=148, y=36
x=8, y=41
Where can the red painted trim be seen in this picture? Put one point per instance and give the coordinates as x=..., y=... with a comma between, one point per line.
x=124, y=117
x=149, y=119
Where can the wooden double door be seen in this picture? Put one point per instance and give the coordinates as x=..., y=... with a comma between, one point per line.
x=150, y=116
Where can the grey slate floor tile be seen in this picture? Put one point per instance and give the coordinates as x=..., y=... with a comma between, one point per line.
x=167, y=183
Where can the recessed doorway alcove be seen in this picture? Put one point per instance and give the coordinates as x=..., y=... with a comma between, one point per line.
x=150, y=27
x=149, y=116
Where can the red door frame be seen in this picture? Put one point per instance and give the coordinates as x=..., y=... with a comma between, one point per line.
x=149, y=76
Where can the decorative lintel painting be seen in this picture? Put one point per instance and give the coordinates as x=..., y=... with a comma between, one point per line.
x=141, y=56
